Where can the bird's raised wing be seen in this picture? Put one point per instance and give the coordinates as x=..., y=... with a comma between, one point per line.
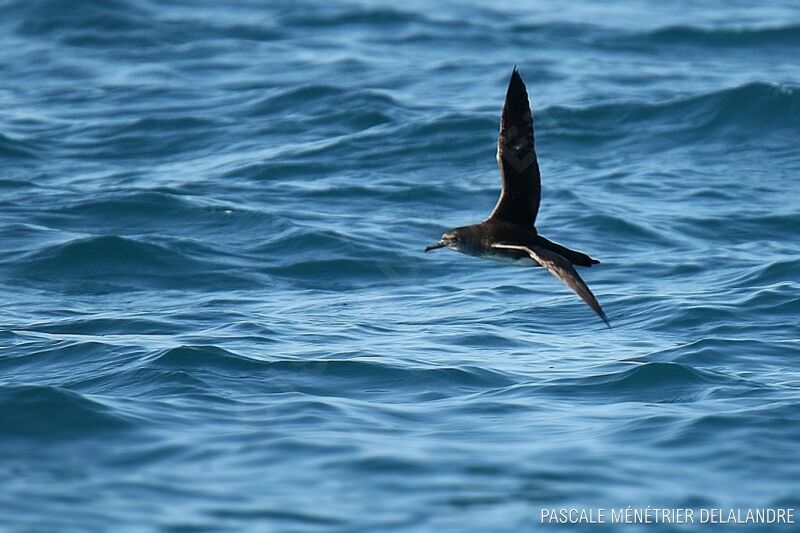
x=561, y=268
x=516, y=156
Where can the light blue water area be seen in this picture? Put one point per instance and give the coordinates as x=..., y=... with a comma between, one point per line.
x=216, y=310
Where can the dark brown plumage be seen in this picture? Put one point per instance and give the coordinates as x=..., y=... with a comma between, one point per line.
x=509, y=234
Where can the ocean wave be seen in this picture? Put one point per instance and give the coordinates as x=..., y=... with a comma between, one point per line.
x=746, y=228
x=287, y=518
x=386, y=377
x=706, y=315
x=333, y=259
x=344, y=273
x=147, y=137
x=447, y=124
x=121, y=261
x=13, y=148
x=107, y=253
x=112, y=24
x=92, y=22
x=319, y=375
x=751, y=111
x=133, y=210
x=106, y=326
x=155, y=226
x=715, y=352
x=316, y=99
x=651, y=382
x=564, y=33
x=145, y=204
x=341, y=110
x=780, y=298
x=726, y=38
x=206, y=357
x=315, y=95
x=626, y=231
x=152, y=383
x=376, y=17
x=774, y=420
x=423, y=141
x=368, y=128
x=300, y=242
x=50, y=412
x=769, y=273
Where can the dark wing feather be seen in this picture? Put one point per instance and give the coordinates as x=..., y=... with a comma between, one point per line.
x=562, y=269
x=516, y=156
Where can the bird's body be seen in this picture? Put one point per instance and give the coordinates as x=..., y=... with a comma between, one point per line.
x=479, y=240
x=508, y=234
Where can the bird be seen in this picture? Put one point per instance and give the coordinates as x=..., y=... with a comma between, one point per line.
x=509, y=233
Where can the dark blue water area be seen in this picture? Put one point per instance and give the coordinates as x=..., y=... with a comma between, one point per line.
x=217, y=314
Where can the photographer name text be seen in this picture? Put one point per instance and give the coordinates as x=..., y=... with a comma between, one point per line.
x=659, y=515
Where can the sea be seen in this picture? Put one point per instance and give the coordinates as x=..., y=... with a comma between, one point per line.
x=216, y=310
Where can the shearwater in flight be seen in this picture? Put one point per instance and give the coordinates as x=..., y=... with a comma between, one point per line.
x=509, y=233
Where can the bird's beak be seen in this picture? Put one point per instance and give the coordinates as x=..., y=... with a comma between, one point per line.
x=439, y=244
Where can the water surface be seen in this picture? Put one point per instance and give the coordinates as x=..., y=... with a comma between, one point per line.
x=217, y=314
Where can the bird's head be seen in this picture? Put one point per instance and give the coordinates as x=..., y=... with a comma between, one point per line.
x=456, y=239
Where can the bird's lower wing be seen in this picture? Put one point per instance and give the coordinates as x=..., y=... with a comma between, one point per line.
x=561, y=268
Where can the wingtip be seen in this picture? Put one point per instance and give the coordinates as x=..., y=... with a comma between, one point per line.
x=604, y=318
x=516, y=88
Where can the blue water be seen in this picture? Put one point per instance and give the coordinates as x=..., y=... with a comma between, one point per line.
x=216, y=310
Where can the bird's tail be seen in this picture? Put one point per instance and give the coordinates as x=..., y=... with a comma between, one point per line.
x=576, y=258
